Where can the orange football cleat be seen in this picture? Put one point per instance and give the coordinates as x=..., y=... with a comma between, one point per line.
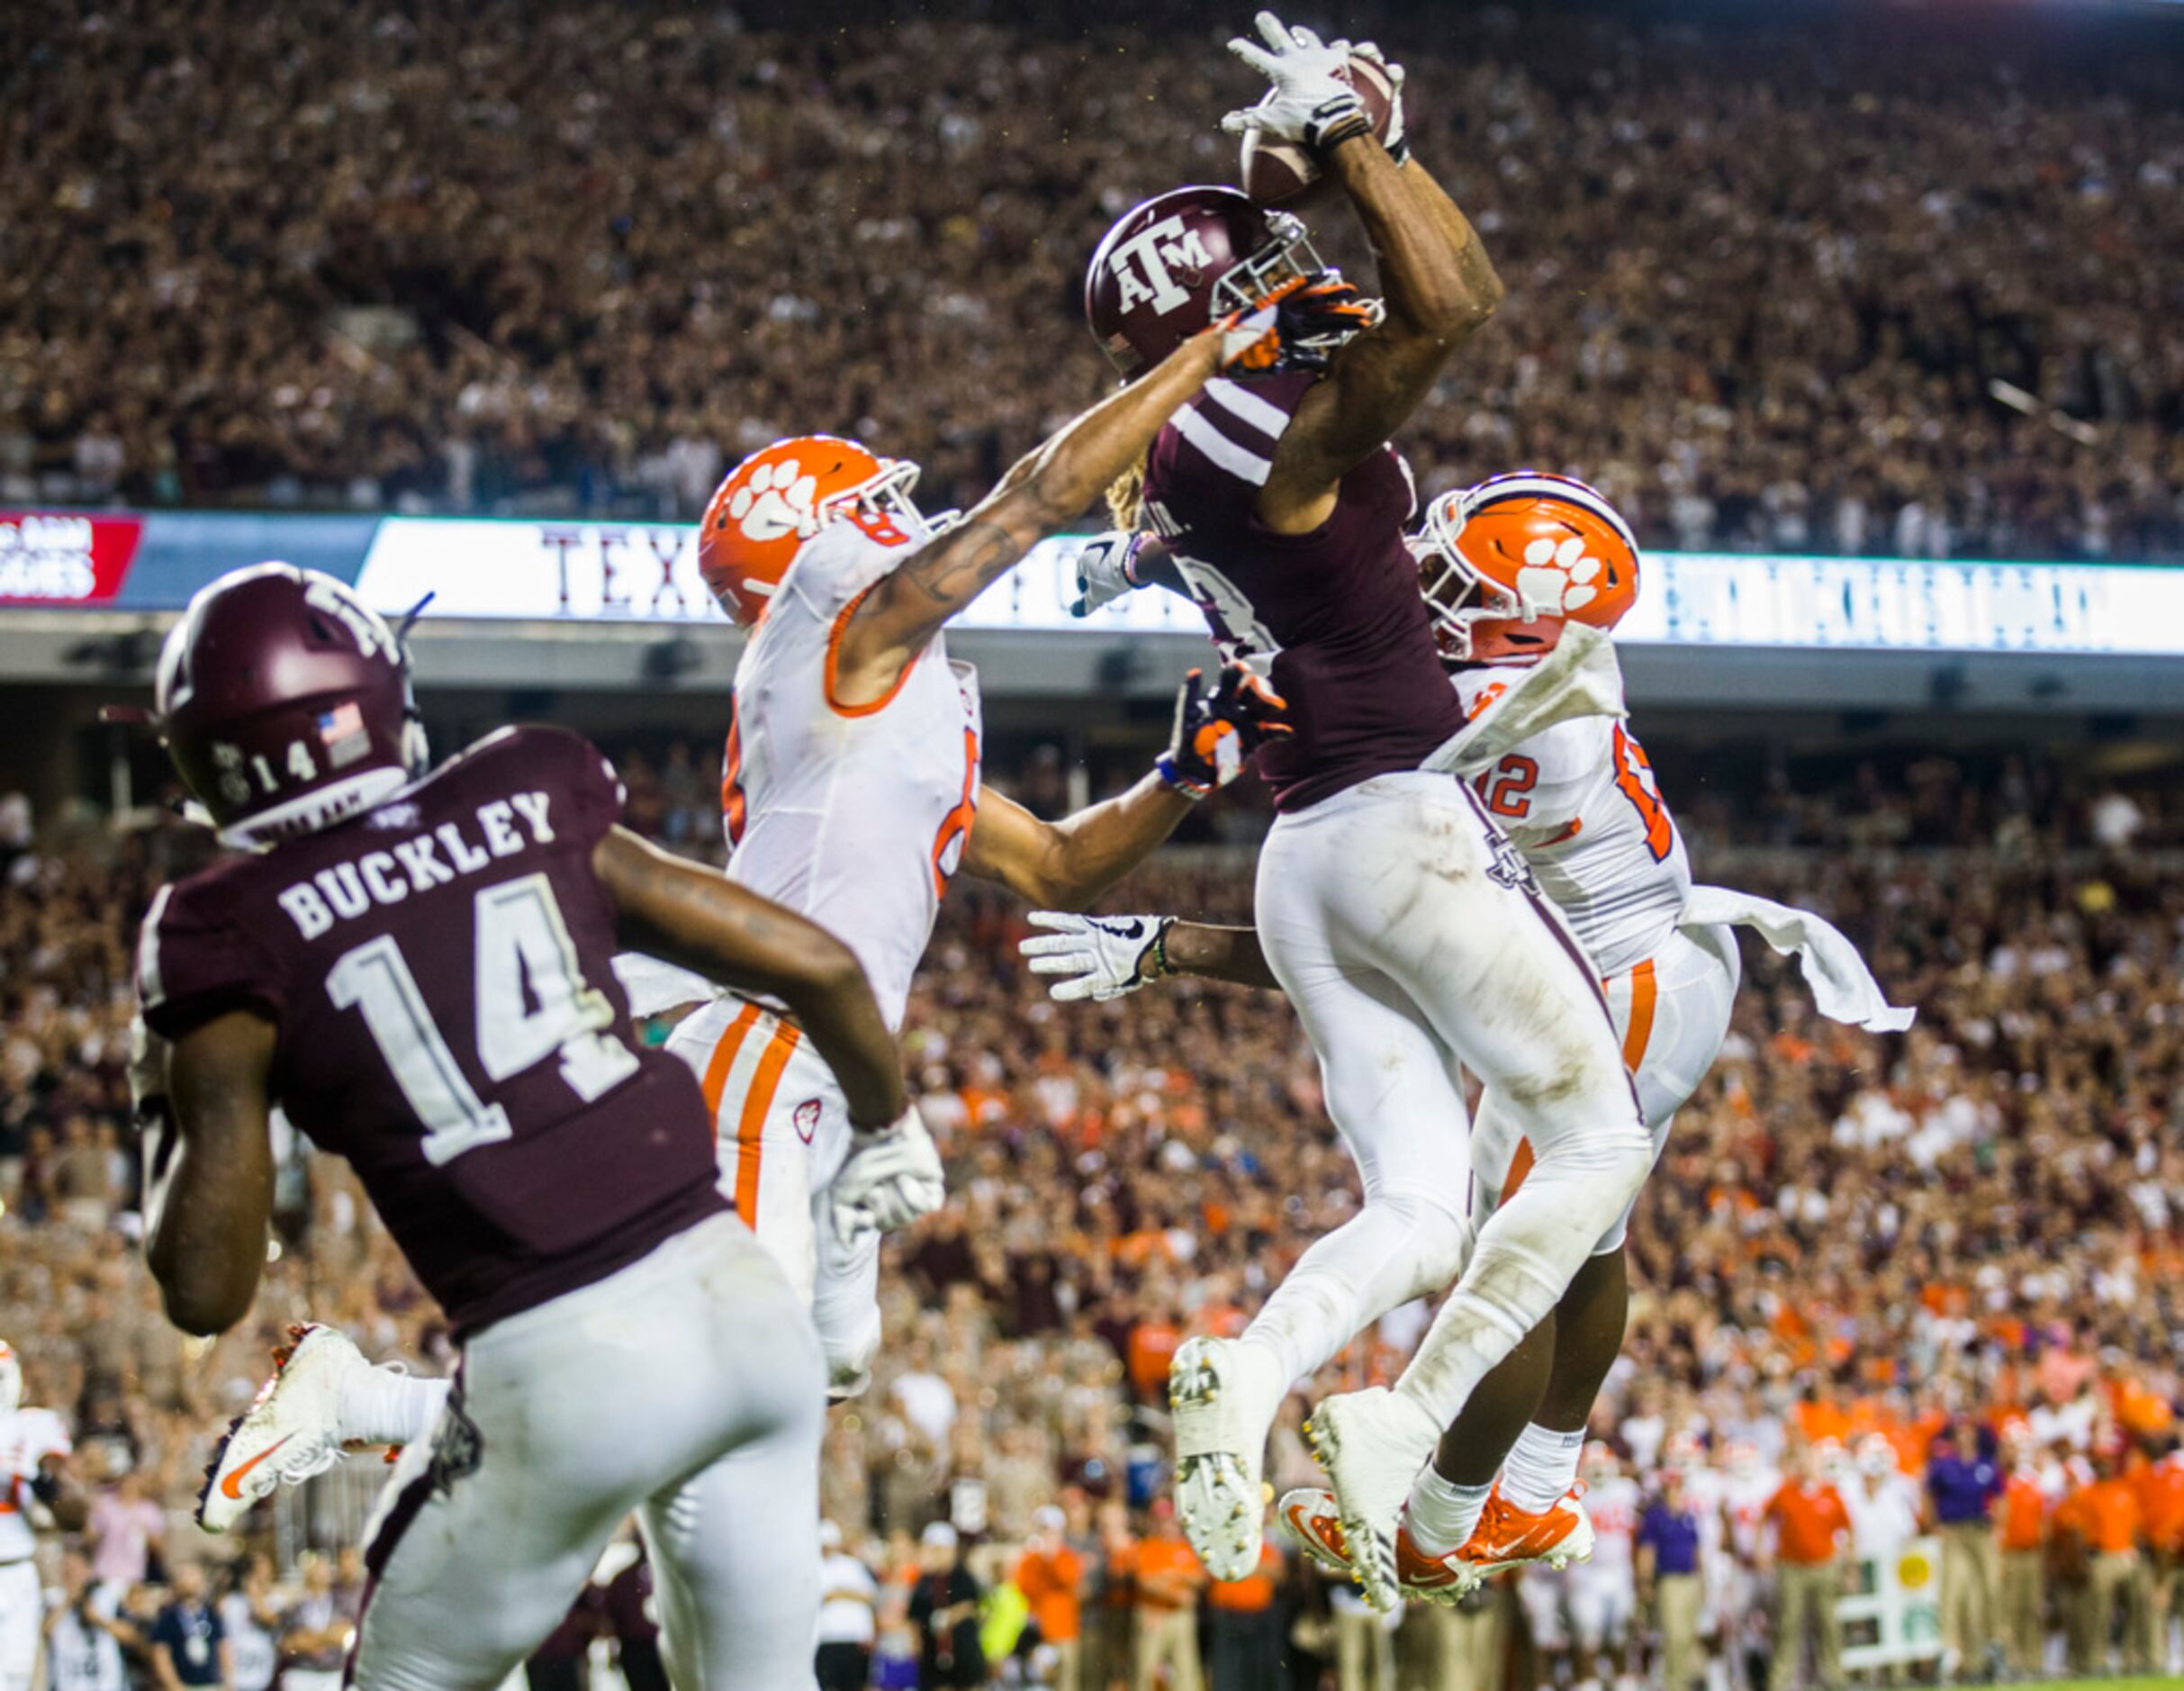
x=1509, y=1537
x=1315, y=1524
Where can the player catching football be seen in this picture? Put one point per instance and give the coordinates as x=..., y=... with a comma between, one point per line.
x=416, y=968
x=1387, y=904
x=1506, y=567
x=851, y=795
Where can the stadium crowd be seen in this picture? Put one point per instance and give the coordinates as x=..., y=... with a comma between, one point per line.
x=1854, y=1247
x=1764, y=273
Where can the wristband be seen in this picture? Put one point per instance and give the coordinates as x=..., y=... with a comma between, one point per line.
x=1156, y=954
x=1334, y=121
x=1164, y=766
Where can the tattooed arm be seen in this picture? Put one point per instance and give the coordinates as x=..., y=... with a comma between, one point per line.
x=1046, y=490
x=696, y=917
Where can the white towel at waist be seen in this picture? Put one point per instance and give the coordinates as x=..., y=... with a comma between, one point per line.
x=1843, y=987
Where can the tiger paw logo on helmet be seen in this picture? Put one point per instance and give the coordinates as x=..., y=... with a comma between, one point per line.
x=776, y=501
x=1557, y=579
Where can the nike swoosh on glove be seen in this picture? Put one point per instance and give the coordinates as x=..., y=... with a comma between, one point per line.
x=891, y=1178
x=1106, y=570
x=1100, y=957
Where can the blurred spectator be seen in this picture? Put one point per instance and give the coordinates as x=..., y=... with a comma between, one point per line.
x=126, y=1530
x=1963, y=1484
x=1167, y=1579
x=1668, y=1580
x=321, y=1624
x=848, y=1623
x=944, y=1609
x=250, y=1615
x=1051, y=1577
x=1812, y=1524
x=189, y=1644
x=85, y=1635
x=2103, y=1515
x=1243, y=1625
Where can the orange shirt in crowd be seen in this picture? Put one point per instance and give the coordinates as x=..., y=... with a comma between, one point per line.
x=1254, y=1593
x=2161, y=1495
x=2024, y=1514
x=1152, y=1346
x=1159, y=1559
x=1818, y=1419
x=1809, y=1520
x=1048, y=1580
x=2105, y=1513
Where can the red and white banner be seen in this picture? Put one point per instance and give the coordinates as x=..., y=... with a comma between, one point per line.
x=65, y=558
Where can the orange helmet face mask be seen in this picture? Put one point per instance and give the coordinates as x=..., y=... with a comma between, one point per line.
x=1504, y=566
x=781, y=498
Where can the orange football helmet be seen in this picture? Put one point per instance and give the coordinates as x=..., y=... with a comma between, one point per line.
x=1505, y=565
x=777, y=501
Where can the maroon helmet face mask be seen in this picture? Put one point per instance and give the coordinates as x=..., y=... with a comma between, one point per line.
x=284, y=701
x=1176, y=263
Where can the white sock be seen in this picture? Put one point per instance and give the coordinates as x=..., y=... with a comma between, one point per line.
x=1540, y=1467
x=384, y=1405
x=1441, y=1513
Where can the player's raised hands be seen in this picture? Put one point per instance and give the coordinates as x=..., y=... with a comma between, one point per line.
x=1218, y=727
x=1310, y=104
x=1298, y=327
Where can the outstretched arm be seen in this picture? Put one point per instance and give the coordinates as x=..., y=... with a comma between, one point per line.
x=1044, y=490
x=1439, y=288
x=1219, y=953
x=1104, y=957
x=694, y=916
x=1065, y=865
x=208, y=1246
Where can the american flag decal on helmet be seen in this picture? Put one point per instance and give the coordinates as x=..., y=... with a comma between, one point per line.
x=342, y=732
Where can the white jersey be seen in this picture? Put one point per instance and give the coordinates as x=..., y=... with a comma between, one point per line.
x=1744, y=1497
x=853, y=816
x=1613, y=1503
x=1579, y=801
x=27, y=1438
x=1883, y=1513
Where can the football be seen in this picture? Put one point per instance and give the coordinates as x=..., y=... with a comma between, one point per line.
x=1280, y=172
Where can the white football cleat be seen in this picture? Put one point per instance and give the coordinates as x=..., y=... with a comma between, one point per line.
x=1372, y=1443
x=291, y=1431
x=1221, y=1426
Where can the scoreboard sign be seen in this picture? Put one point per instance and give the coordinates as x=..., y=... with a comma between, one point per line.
x=65, y=557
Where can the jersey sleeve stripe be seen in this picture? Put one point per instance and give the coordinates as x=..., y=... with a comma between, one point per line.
x=834, y=665
x=1248, y=408
x=1221, y=451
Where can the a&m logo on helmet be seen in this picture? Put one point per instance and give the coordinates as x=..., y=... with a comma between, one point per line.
x=1146, y=266
x=1505, y=565
x=778, y=500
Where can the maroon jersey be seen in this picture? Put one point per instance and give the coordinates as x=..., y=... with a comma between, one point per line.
x=1337, y=611
x=439, y=970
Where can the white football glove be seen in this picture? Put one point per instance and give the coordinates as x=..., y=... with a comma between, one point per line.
x=891, y=1178
x=1398, y=148
x=1309, y=105
x=1106, y=570
x=1103, y=956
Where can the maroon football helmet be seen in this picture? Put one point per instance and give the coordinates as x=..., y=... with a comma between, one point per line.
x=284, y=701
x=1176, y=263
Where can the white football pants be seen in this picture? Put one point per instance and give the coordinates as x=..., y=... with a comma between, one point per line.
x=1671, y=1013
x=1414, y=942
x=686, y=1388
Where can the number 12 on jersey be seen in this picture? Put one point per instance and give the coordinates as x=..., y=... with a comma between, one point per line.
x=522, y=942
